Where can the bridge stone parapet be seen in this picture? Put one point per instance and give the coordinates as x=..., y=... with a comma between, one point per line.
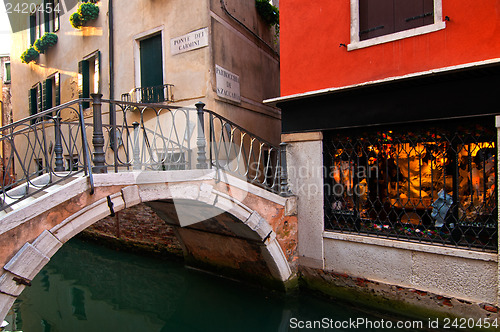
x=220, y=220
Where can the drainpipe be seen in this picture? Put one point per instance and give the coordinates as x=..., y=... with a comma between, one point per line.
x=111, y=50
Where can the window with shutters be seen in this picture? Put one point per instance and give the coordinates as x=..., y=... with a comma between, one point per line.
x=51, y=92
x=89, y=76
x=7, y=72
x=51, y=15
x=35, y=100
x=380, y=21
x=32, y=31
x=149, y=67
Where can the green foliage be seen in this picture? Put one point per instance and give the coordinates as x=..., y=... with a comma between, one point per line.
x=76, y=20
x=86, y=12
x=31, y=54
x=48, y=40
x=269, y=13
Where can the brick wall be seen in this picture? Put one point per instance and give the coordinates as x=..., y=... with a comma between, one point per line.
x=138, y=226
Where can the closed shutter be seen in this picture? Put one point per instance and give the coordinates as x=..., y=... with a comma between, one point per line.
x=382, y=17
x=83, y=81
x=57, y=87
x=151, y=69
x=97, y=73
x=47, y=6
x=411, y=14
x=32, y=29
x=376, y=18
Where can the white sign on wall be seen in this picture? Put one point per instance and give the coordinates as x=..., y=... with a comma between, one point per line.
x=228, y=84
x=191, y=41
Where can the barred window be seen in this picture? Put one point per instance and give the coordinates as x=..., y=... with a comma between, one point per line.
x=435, y=185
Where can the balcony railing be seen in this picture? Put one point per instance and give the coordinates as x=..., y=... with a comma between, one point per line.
x=150, y=94
x=52, y=146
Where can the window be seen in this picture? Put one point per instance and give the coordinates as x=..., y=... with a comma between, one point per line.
x=89, y=71
x=379, y=21
x=35, y=100
x=435, y=185
x=7, y=72
x=32, y=23
x=51, y=92
x=151, y=70
x=51, y=15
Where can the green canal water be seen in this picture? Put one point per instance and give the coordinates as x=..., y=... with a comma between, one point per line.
x=87, y=288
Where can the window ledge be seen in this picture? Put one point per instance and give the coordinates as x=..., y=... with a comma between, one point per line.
x=421, y=247
x=396, y=36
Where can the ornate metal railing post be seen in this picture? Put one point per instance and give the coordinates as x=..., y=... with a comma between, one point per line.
x=136, y=150
x=284, y=190
x=98, y=136
x=200, y=140
x=58, y=149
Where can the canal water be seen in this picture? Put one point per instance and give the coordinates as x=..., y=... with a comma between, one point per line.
x=86, y=288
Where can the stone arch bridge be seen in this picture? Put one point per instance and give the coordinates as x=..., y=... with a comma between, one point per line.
x=229, y=210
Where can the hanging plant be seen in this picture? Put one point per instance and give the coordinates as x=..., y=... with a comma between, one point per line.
x=48, y=40
x=269, y=13
x=76, y=20
x=87, y=11
x=31, y=54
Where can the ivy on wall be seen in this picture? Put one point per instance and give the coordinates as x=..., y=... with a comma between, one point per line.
x=269, y=13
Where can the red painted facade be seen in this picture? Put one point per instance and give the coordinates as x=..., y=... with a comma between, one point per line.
x=311, y=32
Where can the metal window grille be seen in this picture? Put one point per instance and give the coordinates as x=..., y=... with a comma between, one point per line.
x=435, y=185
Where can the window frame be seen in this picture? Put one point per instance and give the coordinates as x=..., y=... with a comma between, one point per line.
x=7, y=72
x=89, y=76
x=356, y=43
x=137, y=54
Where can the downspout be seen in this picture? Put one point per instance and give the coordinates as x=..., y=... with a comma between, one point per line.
x=111, y=50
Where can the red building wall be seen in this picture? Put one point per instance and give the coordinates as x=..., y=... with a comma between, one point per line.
x=311, y=32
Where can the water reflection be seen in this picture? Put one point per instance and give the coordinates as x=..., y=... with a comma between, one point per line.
x=90, y=288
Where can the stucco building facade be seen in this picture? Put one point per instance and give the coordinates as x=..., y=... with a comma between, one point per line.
x=182, y=42
x=392, y=131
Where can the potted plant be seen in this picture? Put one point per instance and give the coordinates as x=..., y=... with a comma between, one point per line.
x=31, y=54
x=87, y=11
x=48, y=40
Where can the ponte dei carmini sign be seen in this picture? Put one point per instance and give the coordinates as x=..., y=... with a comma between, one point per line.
x=191, y=41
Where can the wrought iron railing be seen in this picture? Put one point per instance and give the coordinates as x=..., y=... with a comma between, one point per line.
x=435, y=185
x=53, y=145
x=151, y=94
x=41, y=151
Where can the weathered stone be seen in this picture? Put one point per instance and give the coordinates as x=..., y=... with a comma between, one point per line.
x=9, y=286
x=86, y=217
x=27, y=262
x=47, y=243
x=131, y=196
x=6, y=302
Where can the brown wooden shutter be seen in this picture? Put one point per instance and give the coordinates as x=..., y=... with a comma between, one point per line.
x=376, y=18
x=411, y=14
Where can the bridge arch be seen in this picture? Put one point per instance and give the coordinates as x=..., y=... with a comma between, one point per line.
x=30, y=235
